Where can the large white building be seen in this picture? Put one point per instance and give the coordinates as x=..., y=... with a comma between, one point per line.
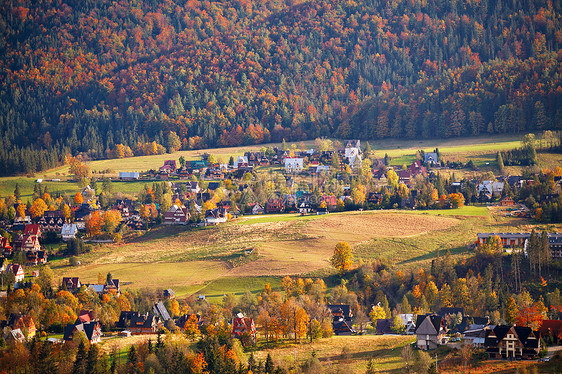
x=293, y=165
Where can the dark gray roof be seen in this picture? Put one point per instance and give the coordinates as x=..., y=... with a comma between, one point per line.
x=160, y=309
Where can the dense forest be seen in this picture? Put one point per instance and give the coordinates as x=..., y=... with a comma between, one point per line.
x=96, y=76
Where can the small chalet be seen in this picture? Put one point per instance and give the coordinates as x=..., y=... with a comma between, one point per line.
x=17, y=269
x=176, y=215
x=342, y=316
x=243, y=326
x=5, y=246
x=91, y=329
x=430, y=331
x=216, y=216
x=169, y=167
x=36, y=257
x=552, y=329
x=80, y=215
x=23, y=322
x=138, y=323
x=71, y=283
x=430, y=158
x=274, y=206
x=512, y=342
x=305, y=208
x=193, y=187
x=69, y=231
x=506, y=201
x=330, y=200
x=257, y=208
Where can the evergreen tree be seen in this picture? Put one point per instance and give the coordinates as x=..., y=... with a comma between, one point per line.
x=80, y=361
x=17, y=192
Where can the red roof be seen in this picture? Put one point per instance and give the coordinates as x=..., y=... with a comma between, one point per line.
x=32, y=229
x=5, y=243
x=551, y=327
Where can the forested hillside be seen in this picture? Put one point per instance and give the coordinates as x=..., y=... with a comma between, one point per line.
x=84, y=76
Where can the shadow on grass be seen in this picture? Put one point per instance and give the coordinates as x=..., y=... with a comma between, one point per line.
x=433, y=254
x=162, y=232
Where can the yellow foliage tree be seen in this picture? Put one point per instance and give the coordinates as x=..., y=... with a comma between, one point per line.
x=342, y=259
x=38, y=208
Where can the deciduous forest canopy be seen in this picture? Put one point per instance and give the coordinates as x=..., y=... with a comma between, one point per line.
x=109, y=78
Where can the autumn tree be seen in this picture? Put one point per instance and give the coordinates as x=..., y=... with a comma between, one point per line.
x=342, y=259
x=78, y=198
x=111, y=220
x=38, y=208
x=94, y=224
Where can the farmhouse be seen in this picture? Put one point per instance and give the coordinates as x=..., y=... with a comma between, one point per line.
x=257, y=209
x=512, y=342
x=430, y=331
x=506, y=201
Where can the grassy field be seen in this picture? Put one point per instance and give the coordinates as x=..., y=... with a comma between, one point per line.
x=349, y=354
x=245, y=254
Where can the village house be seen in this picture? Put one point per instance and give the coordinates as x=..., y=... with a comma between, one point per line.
x=490, y=189
x=176, y=215
x=352, y=152
x=430, y=158
x=5, y=246
x=80, y=215
x=30, y=243
x=69, y=231
x=91, y=330
x=52, y=221
x=342, y=316
x=506, y=201
x=216, y=216
x=551, y=330
x=512, y=240
x=274, y=205
x=243, y=326
x=293, y=165
x=257, y=208
x=430, y=331
x=512, y=342
x=17, y=269
x=137, y=323
x=23, y=322
x=241, y=162
x=36, y=257
x=160, y=310
x=71, y=283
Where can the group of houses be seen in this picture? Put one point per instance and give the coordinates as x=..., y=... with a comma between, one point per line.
x=499, y=341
